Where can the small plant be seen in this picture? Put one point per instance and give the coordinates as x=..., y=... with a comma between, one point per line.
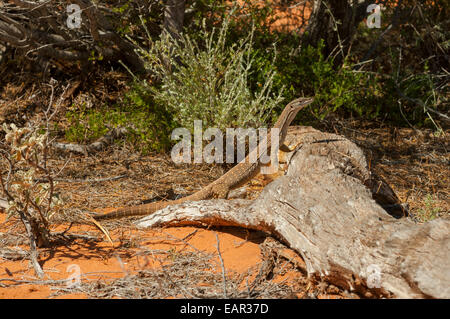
x=28, y=185
x=428, y=212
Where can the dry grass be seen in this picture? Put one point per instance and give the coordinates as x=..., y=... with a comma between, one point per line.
x=186, y=275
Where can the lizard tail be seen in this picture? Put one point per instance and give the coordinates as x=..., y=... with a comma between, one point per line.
x=147, y=209
x=139, y=210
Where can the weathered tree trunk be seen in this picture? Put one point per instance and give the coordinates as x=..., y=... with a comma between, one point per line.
x=323, y=209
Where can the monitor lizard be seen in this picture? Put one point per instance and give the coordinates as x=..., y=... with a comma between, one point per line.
x=235, y=177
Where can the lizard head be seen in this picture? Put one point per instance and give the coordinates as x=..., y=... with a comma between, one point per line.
x=300, y=102
x=296, y=105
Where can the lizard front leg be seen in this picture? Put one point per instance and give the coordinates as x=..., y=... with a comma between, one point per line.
x=285, y=148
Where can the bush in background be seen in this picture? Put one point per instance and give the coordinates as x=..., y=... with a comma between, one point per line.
x=209, y=80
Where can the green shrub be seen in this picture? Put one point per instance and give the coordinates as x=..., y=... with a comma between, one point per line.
x=85, y=125
x=149, y=125
x=412, y=91
x=210, y=81
x=338, y=88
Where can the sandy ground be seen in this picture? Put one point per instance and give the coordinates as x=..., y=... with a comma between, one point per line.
x=101, y=262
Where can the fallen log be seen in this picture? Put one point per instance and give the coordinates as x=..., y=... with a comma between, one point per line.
x=326, y=207
x=96, y=146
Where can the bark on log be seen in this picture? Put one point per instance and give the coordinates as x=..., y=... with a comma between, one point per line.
x=323, y=209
